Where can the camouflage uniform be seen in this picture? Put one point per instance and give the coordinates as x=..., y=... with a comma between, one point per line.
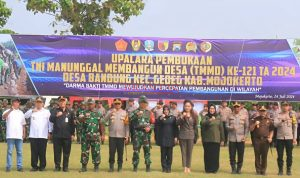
x=90, y=136
x=140, y=137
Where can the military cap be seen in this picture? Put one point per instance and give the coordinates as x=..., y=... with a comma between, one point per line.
x=262, y=108
x=62, y=98
x=236, y=104
x=91, y=101
x=117, y=101
x=143, y=99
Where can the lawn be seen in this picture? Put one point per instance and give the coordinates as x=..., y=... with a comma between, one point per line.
x=177, y=171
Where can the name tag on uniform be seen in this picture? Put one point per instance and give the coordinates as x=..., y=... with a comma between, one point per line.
x=67, y=119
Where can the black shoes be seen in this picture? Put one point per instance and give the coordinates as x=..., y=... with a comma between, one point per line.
x=135, y=168
x=233, y=170
x=288, y=172
x=280, y=172
x=96, y=168
x=148, y=168
x=119, y=167
x=65, y=169
x=83, y=168
x=111, y=168
x=166, y=170
x=57, y=169
x=34, y=169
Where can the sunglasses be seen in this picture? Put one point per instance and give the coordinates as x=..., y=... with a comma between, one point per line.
x=117, y=103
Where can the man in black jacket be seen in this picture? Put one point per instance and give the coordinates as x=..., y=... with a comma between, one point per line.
x=63, y=133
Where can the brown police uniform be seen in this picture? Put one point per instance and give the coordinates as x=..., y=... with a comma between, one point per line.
x=260, y=141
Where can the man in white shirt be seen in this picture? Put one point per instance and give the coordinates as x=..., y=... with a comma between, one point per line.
x=40, y=128
x=15, y=133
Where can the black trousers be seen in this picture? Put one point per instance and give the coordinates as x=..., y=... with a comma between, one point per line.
x=62, y=146
x=252, y=138
x=274, y=140
x=166, y=157
x=116, y=145
x=225, y=133
x=38, y=147
x=261, y=148
x=211, y=156
x=288, y=146
x=236, y=148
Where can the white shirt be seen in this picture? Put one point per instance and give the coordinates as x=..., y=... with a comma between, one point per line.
x=39, y=123
x=14, y=124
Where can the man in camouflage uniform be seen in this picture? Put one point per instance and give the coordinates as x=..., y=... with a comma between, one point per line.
x=91, y=132
x=141, y=120
x=78, y=124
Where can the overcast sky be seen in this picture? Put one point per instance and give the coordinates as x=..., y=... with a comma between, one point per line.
x=189, y=19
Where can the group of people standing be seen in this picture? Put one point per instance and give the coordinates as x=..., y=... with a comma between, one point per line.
x=222, y=126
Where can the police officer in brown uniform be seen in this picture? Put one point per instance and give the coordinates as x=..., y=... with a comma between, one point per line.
x=237, y=125
x=286, y=125
x=262, y=128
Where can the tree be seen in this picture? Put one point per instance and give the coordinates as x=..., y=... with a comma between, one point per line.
x=5, y=13
x=6, y=31
x=88, y=17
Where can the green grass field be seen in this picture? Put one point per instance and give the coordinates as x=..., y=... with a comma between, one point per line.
x=177, y=171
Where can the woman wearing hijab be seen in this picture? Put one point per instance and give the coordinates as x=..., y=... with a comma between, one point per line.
x=212, y=136
x=188, y=133
x=168, y=137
